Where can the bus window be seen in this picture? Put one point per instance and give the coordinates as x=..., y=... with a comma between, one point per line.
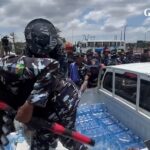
x=113, y=43
x=122, y=43
x=98, y=44
x=118, y=43
x=91, y=44
x=106, y=43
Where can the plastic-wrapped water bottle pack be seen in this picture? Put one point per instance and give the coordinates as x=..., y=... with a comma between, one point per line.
x=95, y=121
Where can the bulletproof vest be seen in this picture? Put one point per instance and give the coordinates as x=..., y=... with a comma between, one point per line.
x=62, y=101
x=18, y=75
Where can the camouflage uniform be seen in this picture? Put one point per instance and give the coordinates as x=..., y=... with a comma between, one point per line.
x=37, y=80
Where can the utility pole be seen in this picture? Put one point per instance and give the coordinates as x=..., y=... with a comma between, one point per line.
x=1, y=48
x=72, y=36
x=121, y=36
x=125, y=35
x=145, y=36
x=13, y=39
x=125, y=32
x=148, y=35
x=115, y=37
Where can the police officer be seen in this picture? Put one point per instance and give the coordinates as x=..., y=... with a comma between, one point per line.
x=32, y=84
x=5, y=45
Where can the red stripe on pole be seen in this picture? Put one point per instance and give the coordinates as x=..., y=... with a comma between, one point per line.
x=3, y=105
x=82, y=138
x=56, y=128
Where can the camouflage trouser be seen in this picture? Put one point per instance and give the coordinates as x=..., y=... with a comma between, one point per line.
x=44, y=140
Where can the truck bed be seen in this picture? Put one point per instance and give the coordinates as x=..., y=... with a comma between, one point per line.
x=95, y=120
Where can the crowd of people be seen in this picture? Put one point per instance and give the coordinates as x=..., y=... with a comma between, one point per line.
x=85, y=66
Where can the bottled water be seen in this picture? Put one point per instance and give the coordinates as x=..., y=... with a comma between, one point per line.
x=107, y=121
x=134, y=137
x=114, y=119
x=20, y=136
x=123, y=126
x=114, y=129
x=108, y=132
x=83, y=109
x=124, y=139
x=99, y=107
x=100, y=115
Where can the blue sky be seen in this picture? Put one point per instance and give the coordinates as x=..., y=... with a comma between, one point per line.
x=136, y=20
x=95, y=19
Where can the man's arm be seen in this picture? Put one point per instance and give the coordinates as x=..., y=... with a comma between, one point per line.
x=24, y=113
x=84, y=84
x=38, y=97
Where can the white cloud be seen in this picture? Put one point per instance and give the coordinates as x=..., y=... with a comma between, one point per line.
x=75, y=24
x=94, y=17
x=115, y=22
x=147, y=21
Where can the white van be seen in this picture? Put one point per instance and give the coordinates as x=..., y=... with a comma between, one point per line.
x=125, y=89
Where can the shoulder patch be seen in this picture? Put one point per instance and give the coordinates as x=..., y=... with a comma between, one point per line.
x=20, y=69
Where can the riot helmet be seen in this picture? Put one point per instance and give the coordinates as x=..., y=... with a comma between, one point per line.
x=41, y=38
x=5, y=41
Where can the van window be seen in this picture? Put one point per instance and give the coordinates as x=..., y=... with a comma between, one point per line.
x=126, y=86
x=107, y=83
x=145, y=95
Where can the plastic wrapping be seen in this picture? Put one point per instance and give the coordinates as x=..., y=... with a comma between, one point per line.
x=109, y=133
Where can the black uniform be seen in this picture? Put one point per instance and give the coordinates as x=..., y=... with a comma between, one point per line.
x=5, y=44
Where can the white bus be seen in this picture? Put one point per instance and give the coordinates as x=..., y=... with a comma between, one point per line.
x=110, y=44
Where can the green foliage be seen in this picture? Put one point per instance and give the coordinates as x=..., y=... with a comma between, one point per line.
x=19, y=47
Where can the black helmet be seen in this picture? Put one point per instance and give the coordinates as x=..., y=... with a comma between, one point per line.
x=41, y=38
x=5, y=40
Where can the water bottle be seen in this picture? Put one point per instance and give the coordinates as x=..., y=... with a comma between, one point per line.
x=121, y=125
x=107, y=121
x=11, y=141
x=20, y=136
x=124, y=139
x=114, y=129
